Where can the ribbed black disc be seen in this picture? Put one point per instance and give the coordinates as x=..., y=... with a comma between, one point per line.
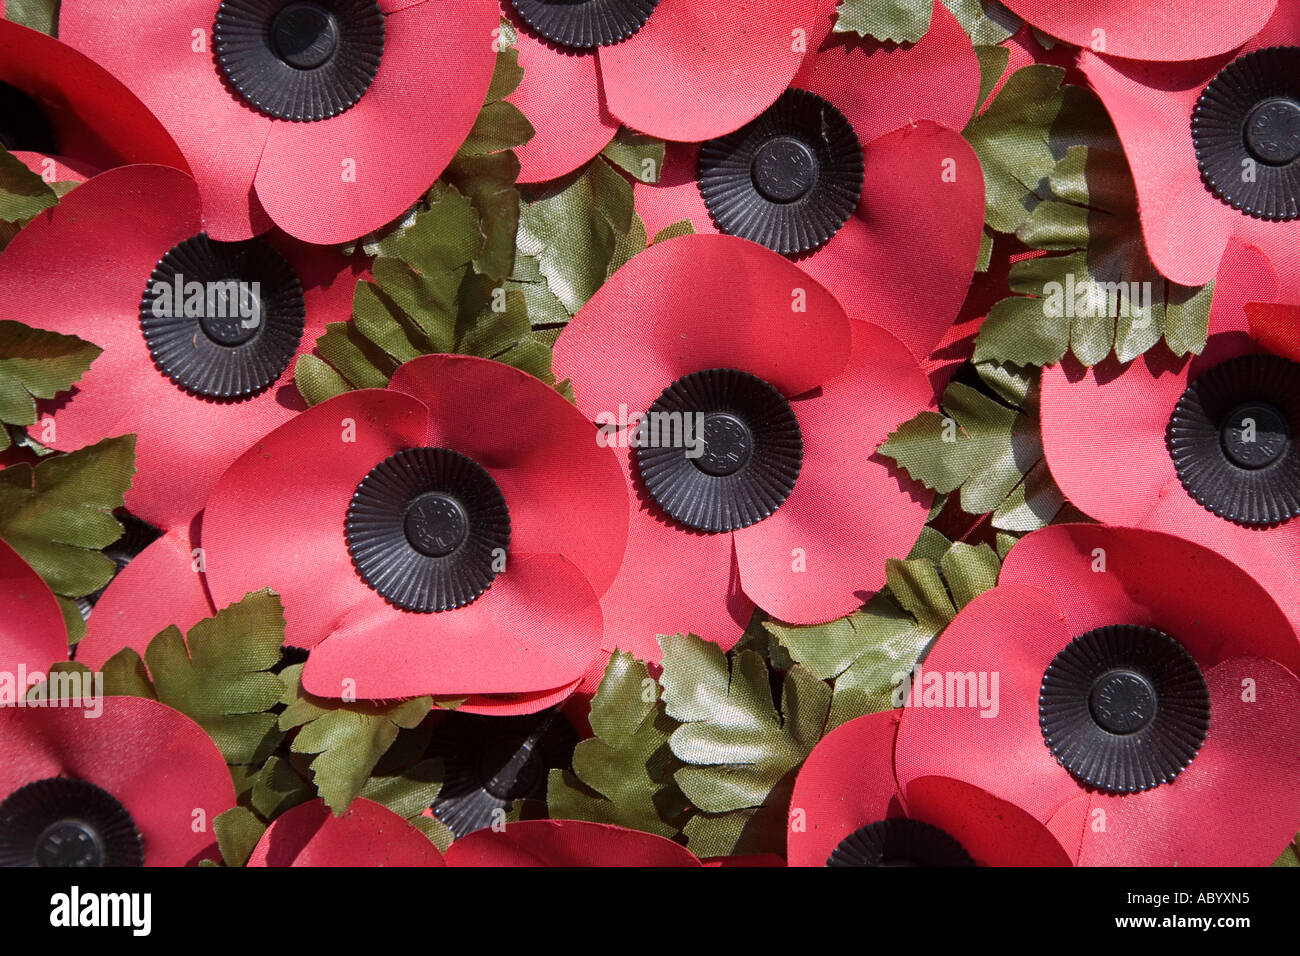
x=1232, y=439
x=223, y=319
x=64, y=822
x=490, y=762
x=301, y=60
x=428, y=529
x=1124, y=708
x=1246, y=131
x=23, y=125
x=585, y=24
x=789, y=180
x=899, y=842
x=720, y=450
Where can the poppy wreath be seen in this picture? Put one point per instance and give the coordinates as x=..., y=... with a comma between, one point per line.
x=503, y=433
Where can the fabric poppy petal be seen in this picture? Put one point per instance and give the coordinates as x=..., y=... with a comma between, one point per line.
x=65, y=169
x=694, y=303
x=560, y=96
x=676, y=196
x=1151, y=105
x=32, y=631
x=847, y=782
x=275, y=518
x=1276, y=328
x=740, y=55
x=674, y=579
x=538, y=447
x=511, y=705
x=134, y=609
x=848, y=512
x=1243, y=779
x=367, y=834
x=157, y=762
x=1153, y=580
x=992, y=831
x=397, y=139
x=152, y=51
x=566, y=843
x=94, y=117
x=537, y=627
x=906, y=258
x=1013, y=631
x=1184, y=30
x=881, y=87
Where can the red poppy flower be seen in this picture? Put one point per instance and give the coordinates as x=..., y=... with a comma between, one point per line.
x=195, y=384
x=1211, y=142
x=32, y=633
x=781, y=501
x=139, y=784
x=160, y=587
x=1197, y=446
x=1145, y=702
x=847, y=810
x=566, y=843
x=857, y=171
x=383, y=518
x=367, y=834
x=1177, y=30
x=328, y=118
x=58, y=102
x=675, y=69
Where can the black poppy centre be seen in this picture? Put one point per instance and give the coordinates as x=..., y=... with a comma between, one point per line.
x=302, y=60
x=490, y=762
x=899, y=842
x=67, y=823
x=1124, y=708
x=719, y=450
x=585, y=24
x=429, y=529
x=223, y=319
x=788, y=180
x=1246, y=132
x=1232, y=440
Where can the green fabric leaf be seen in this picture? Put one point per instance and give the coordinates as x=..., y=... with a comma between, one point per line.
x=219, y=675
x=993, y=63
x=42, y=15
x=683, y=228
x=316, y=381
x=489, y=184
x=900, y=21
x=276, y=787
x=574, y=231
x=59, y=514
x=499, y=126
x=345, y=739
x=23, y=194
x=125, y=675
x=737, y=746
x=624, y=774
x=409, y=793
x=36, y=364
x=638, y=155
x=237, y=831
x=985, y=21
x=1291, y=855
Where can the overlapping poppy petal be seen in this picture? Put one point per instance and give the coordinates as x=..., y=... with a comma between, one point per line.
x=163, y=586
x=534, y=843
x=1208, y=144
x=1144, y=683
x=1181, y=30
x=772, y=490
x=57, y=101
x=32, y=631
x=449, y=535
x=125, y=787
x=366, y=834
x=195, y=380
x=1197, y=446
x=327, y=119
x=644, y=65
x=847, y=810
x=857, y=173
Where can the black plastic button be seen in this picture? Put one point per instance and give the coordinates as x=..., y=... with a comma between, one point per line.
x=64, y=822
x=899, y=842
x=585, y=24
